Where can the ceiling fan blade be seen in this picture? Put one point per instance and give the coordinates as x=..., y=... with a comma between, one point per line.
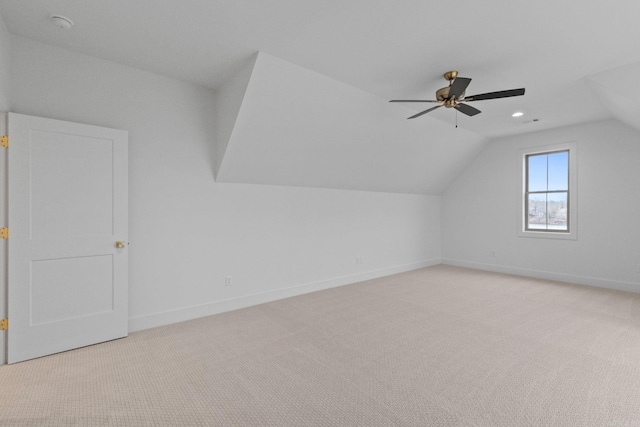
x=424, y=112
x=495, y=95
x=414, y=100
x=458, y=87
x=467, y=109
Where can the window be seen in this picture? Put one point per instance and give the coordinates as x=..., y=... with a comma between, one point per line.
x=547, y=191
x=548, y=196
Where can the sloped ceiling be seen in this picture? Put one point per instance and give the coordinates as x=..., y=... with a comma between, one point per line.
x=297, y=127
x=619, y=91
x=328, y=124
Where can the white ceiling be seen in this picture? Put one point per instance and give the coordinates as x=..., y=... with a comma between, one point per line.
x=394, y=49
x=560, y=51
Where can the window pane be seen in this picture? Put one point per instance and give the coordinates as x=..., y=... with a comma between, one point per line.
x=547, y=175
x=557, y=208
x=537, y=218
x=537, y=177
x=558, y=171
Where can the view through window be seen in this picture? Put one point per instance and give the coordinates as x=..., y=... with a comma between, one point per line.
x=547, y=192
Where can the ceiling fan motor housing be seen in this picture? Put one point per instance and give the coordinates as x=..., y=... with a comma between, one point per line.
x=443, y=94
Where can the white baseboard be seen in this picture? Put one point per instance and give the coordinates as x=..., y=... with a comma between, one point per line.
x=187, y=313
x=539, y=274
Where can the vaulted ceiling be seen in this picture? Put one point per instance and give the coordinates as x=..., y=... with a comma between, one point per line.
x=311, y=108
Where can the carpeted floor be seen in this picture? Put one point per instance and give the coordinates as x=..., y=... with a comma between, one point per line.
x=440, y=346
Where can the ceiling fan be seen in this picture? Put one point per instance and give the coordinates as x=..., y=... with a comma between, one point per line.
x=453, y=96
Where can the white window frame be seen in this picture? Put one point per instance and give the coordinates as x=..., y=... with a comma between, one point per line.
x=572, y=234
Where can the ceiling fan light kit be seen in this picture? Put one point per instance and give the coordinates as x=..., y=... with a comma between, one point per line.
x=453, y=96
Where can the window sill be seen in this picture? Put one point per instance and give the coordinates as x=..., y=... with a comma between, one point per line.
x=547, y=235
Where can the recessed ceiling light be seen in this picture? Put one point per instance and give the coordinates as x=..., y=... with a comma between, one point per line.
x=62, y=21
x=517, y=114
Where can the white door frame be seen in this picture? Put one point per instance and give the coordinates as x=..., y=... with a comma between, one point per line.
x=3, y=243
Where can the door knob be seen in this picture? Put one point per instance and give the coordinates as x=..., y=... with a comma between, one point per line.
x=119, y=245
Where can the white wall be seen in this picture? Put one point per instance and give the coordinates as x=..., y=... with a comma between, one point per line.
x=480, y=210
x=229, y=99
x=188, y=232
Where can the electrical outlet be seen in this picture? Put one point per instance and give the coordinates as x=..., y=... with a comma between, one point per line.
x=359, y=260
x=493, y=254
x=227, y=281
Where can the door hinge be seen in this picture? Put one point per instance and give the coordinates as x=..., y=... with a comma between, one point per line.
x=4, y=233
x=4, y=325
x=4, y=141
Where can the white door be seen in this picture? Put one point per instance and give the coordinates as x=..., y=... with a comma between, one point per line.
x=68, y=282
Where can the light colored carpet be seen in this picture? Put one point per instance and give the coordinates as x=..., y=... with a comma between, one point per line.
x=441, y=346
